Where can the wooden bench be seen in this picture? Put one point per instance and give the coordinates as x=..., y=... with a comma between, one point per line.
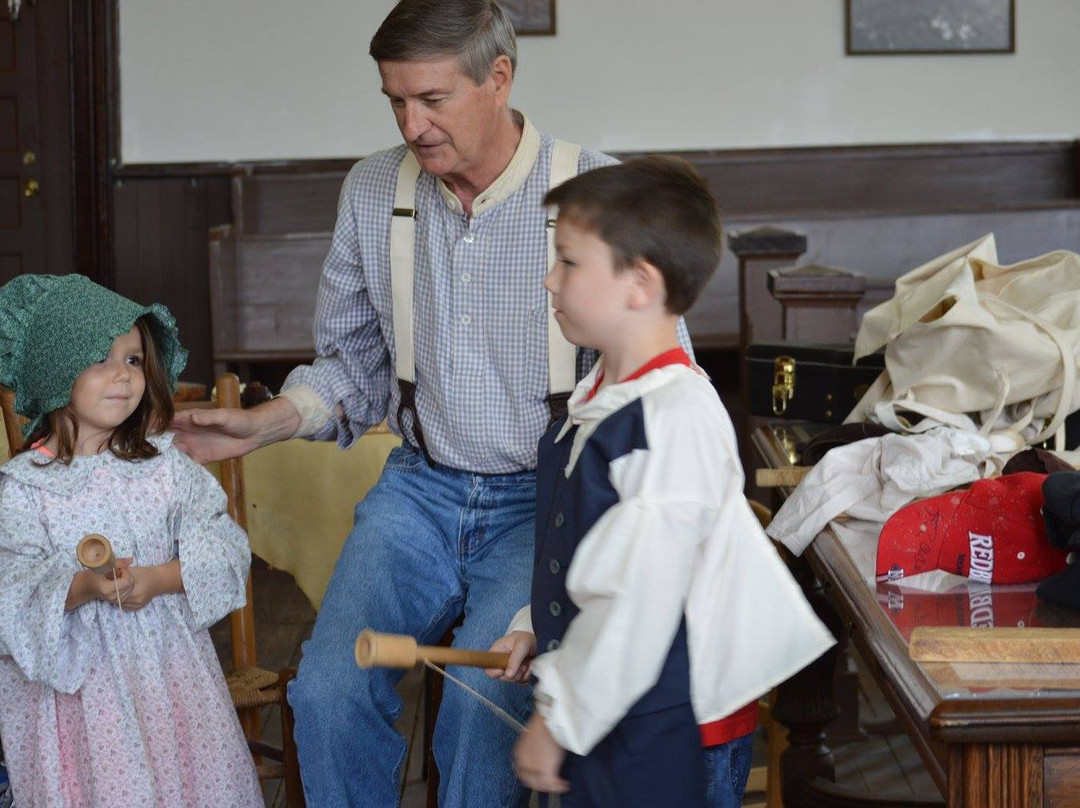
x=265, y=267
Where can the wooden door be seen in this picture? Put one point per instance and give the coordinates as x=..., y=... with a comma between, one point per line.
x=37, y=187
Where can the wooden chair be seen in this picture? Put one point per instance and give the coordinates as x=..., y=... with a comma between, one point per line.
x=13, y=423
x=766, y=779
x=251, y=687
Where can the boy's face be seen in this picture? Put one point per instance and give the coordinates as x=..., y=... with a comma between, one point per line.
x=588, y=293
x=107, y=392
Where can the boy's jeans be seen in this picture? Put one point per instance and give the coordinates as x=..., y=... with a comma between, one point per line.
x=727, y=767
x=427, y=544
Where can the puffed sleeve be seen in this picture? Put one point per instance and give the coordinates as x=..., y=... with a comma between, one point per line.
x=670, y=548
x=213, y=550
x=48, y=645
x=630, y=578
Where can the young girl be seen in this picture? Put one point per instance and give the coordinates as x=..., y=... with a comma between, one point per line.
x=111, y=693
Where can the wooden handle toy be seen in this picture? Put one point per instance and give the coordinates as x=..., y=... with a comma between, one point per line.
x=789, y=476
x=374, y=650
x=95, y=553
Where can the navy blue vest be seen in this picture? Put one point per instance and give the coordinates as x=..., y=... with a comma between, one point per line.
x=566, y=509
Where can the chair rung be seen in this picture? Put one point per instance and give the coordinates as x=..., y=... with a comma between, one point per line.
x=264, y=749
x=270, y=771
x=758, y=779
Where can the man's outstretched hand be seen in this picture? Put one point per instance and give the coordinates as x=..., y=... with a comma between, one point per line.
x=206, y=435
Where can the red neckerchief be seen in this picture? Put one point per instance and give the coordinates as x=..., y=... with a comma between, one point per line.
x=676, y=356
x=41, y=447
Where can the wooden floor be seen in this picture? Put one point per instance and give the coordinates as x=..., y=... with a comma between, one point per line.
x=882, y=765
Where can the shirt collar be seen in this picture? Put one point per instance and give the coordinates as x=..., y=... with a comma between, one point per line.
x=511, y=179
x=588, y=405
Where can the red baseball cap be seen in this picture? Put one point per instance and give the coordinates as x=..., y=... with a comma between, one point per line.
x=973, y=605
x=992, y=532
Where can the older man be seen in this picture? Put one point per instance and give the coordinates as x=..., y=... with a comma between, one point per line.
x=431, y=312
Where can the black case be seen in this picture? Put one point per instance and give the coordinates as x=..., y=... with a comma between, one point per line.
x=826, y=385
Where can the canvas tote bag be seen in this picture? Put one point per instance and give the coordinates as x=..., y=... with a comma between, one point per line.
x=978, y=346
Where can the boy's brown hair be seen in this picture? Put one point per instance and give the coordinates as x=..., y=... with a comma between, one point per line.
x=654, y=208
x=129, y=440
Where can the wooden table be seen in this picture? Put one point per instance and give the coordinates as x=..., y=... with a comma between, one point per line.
x=993, y=735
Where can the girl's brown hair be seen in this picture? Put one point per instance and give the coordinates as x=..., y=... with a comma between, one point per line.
x=130, y=439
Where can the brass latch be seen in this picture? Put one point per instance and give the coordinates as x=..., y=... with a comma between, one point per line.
x=783, y=389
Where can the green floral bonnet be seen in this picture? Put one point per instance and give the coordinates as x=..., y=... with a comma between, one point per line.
x=53, y=327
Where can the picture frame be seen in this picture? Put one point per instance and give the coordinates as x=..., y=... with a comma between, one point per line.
x=531, y=17
x=923, y=27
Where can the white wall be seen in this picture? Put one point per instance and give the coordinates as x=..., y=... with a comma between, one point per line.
x=204, y=80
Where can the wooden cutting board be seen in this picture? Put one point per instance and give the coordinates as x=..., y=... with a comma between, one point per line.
x=953, y=644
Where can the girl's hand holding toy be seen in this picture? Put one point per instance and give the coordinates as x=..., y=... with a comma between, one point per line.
x=146, y=583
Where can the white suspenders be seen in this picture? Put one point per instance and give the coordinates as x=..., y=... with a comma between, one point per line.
x=562, y=356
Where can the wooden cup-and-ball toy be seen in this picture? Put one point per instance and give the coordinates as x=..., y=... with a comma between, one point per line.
x=95, y=553
x=374, y=650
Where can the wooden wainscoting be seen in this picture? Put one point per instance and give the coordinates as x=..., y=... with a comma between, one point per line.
x=879, y=210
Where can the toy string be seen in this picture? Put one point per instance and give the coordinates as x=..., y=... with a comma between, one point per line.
x=499, y=711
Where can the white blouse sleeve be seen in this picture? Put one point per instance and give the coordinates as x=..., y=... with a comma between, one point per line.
x=681, y=541
x=522, y=621
x=632, y=572
x=48, y=645
x=630, y=578
x=213, y=550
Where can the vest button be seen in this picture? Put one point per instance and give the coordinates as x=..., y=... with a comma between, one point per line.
x=552, y=645
x=555, y=608
x=559, y=519
x=554, y=566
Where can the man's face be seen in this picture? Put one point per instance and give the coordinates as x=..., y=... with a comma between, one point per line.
x=445, y=118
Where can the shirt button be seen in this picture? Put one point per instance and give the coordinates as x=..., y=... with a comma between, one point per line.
x=466, y=277
x=559, y=519
x=468, y=238
x=466, y=319
x=554, y=566
x=552, y=645
x=555, y=608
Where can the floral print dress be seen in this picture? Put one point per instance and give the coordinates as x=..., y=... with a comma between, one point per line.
x=100, y=707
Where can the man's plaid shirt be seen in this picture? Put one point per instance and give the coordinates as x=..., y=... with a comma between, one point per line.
x=480, y=315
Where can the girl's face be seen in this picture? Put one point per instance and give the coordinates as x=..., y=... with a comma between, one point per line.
x=106, y=393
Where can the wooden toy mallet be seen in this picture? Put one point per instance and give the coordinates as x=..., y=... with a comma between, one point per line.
x=374, y=650
x=95, y=553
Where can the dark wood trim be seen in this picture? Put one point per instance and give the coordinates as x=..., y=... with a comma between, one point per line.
x=95, y=130
x=894, y=151
x=817, y=182
x=131, y=171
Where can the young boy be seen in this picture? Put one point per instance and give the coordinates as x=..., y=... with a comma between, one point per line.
x=656, y=598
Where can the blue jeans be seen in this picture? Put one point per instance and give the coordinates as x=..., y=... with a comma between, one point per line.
x=727, y=767
x=428, y=544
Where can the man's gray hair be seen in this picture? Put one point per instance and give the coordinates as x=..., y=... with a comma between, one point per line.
x=476, y=31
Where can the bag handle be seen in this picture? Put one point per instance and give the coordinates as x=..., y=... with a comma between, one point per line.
x=1068, y=363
